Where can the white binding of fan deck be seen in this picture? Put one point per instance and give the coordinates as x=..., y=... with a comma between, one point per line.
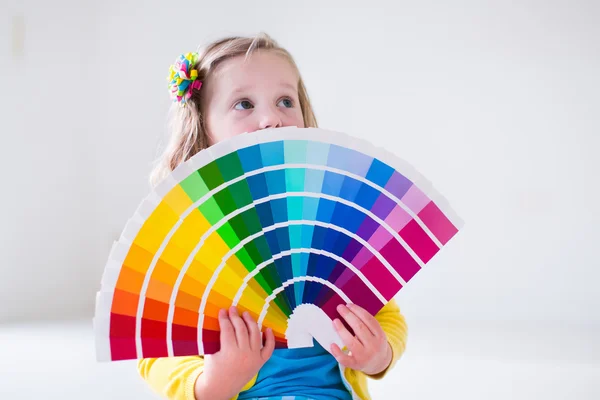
x=145, y=210
x=307, y=320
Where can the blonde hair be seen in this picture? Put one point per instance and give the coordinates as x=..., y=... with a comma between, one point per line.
x=187, y=133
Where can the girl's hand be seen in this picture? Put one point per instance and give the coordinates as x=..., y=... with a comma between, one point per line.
x=240, y=357
x=370, y=351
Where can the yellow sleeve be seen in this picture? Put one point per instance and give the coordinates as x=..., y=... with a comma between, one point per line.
x=393, y=324
x=175, y=377
x=172, y=377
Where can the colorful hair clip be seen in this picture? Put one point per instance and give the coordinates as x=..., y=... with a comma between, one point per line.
x=182, y=79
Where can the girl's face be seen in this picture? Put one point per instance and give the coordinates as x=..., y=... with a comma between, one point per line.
x=247, y=95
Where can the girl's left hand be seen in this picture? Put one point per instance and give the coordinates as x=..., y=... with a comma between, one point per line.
x=370, y=351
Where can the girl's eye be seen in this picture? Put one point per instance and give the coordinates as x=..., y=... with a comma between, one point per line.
x=243, y=105
x=287, y=103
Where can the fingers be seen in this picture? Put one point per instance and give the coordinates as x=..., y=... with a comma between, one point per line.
x=368, y=319
x=241, y=331
x=227, y=331
x=351, y=342
x=358, y=326
x=343, y=358
x=269, y=346
x=254, y=332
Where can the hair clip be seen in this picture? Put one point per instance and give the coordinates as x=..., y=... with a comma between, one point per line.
x=182, y=79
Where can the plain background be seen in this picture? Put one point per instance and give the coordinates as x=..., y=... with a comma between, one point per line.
x=497, y=103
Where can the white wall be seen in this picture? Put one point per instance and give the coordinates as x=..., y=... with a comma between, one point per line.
x=46, y=269
x=496, y=104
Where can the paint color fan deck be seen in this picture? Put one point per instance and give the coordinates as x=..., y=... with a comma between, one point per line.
x=284, y=223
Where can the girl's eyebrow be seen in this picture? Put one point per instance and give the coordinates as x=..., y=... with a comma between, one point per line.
x=241, y=89
x=244, y=88
x=288, y=86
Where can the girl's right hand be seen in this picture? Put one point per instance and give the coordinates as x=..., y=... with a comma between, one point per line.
x=241, y=356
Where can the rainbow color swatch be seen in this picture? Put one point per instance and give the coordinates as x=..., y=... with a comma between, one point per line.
x=284, y=223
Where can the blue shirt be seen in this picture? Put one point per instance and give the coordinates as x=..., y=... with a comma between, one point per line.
x=310, y=372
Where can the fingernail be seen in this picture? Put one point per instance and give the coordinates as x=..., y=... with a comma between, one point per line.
x=341, y=308
x=246, y=314
x=336, y=323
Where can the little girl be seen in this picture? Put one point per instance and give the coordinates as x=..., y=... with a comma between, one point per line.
x=239, y=85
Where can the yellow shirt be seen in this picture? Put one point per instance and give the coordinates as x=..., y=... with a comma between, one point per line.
x=175, y=377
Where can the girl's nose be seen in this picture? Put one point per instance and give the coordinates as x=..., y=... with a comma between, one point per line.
x=269, y=119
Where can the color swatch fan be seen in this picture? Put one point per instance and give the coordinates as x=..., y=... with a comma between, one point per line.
x=284, y=223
